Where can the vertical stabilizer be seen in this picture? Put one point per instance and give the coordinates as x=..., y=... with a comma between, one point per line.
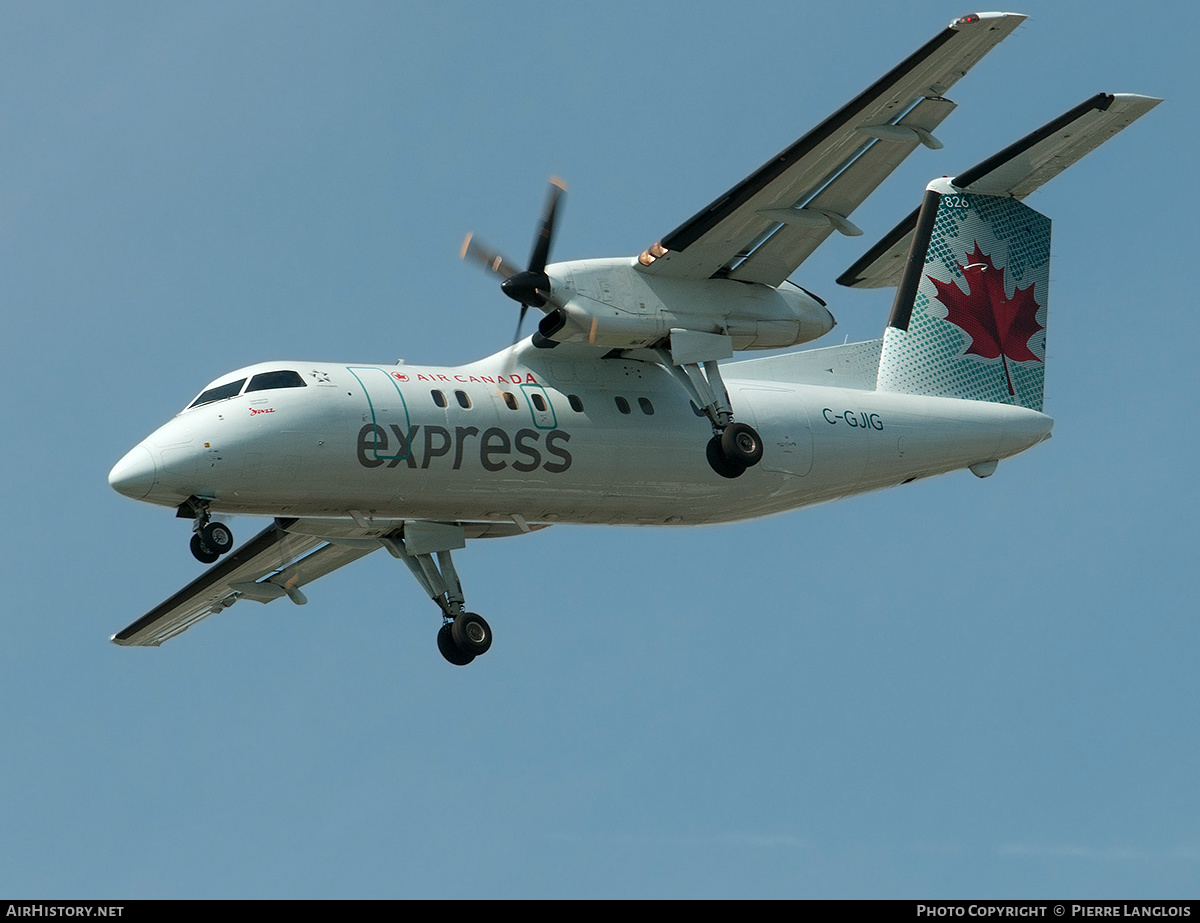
x=969, y=320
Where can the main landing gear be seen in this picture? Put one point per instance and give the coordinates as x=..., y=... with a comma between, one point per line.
x=210, y=539
x=463, y=638
x=734, y=447
x=733, y=450
x=463, y=635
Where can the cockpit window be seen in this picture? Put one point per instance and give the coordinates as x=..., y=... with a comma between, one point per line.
x=265, y=380
x=219, y=393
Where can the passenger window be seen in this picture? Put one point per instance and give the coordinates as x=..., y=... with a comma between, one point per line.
x=509, y=401
x=647, y=407
x=575, y=402
x=622, y=405
x=538, y=401
x=463, y=400
x=438, y=398
x=284, y=379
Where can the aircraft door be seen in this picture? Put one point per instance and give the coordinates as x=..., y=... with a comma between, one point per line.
x=538, y=400
x=387, y=410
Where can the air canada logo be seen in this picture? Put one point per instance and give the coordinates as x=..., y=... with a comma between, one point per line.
x=999, y=327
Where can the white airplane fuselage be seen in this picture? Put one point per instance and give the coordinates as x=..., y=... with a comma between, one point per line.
x=534, y=437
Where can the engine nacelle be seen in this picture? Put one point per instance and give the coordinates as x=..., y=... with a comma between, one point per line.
x=610, y=303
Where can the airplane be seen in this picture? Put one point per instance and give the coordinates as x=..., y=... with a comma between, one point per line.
x=621, y=408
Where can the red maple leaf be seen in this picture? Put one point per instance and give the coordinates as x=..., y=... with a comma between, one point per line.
x=999, y=327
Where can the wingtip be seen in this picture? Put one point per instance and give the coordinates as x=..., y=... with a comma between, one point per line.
x=1138, y=99
x=1015, y=19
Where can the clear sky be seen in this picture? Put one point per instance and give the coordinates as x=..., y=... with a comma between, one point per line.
x=959, y=688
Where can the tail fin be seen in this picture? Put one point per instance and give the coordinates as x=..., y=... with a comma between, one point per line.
x=969, y=320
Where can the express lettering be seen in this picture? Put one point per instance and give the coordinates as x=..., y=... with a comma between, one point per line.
x=858, y=419
x=497, y=449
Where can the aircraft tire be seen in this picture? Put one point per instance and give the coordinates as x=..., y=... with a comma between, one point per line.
x=201, y=551
x=217, y=536
x=450, y=650
x=741, y=443
x=719, y=463
x=471, y=633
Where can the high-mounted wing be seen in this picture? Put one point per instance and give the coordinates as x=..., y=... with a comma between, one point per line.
x=1016, y=171
x=769, y=223
x=277, y=562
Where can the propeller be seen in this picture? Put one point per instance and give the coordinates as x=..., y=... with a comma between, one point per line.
x=529, y=286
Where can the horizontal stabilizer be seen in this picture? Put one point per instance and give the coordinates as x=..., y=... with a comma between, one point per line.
x=1015, y=172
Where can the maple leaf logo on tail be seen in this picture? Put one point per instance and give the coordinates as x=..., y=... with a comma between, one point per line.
x=999, y=327
x=944, y=338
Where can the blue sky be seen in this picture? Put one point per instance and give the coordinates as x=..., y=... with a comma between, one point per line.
x=960, y=688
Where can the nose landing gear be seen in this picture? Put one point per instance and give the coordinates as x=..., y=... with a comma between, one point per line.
x=210, y=539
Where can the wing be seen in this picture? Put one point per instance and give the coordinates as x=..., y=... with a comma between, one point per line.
x=277, y=562
x=1016, y=171
x=769, y=223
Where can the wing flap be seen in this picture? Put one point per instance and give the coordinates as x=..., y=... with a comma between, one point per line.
x=785, y=249
x=285, y=558
x=734, y=224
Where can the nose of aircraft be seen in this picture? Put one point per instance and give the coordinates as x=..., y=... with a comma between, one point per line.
x=134, y=474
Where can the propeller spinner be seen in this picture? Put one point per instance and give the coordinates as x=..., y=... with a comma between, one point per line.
x=530, y=286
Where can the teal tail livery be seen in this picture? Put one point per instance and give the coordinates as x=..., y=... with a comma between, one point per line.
x=969, y=319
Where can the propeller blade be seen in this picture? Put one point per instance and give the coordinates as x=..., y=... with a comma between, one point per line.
x=492, y=260
x=528, y=286
x=541, y=246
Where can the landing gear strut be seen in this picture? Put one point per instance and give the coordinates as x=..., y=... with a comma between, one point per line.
x=210, y=539
x=734, y=447
x=463, y=635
